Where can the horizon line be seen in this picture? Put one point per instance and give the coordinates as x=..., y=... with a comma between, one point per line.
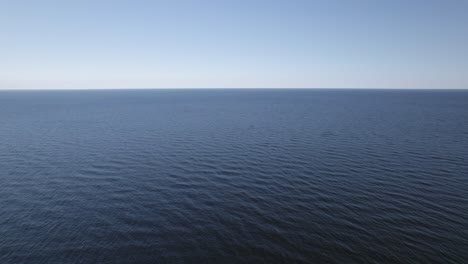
x=231, y=88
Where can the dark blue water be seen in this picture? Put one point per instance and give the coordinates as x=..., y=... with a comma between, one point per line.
x=234, y=176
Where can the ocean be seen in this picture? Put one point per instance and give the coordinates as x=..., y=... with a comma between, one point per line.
x=234, y=176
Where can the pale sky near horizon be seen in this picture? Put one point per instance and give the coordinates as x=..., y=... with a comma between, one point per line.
x=233, y=44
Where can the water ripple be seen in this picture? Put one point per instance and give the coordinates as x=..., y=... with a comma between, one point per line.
x=233, y=176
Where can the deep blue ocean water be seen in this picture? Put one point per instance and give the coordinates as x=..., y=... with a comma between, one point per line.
x=234, y=176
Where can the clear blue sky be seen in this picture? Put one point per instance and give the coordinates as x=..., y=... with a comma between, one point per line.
x=233, y=43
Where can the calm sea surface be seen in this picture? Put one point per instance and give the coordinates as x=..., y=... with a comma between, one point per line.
x=234, y=176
